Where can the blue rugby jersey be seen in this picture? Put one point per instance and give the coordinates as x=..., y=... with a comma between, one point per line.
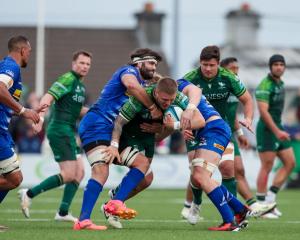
x=206, y=109
x=98, y=123
x=8, y=66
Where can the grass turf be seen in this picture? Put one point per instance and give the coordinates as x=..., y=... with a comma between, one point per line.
x=159, y=218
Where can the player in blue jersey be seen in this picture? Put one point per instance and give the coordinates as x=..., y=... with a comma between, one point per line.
x=10, y=92
x=208, y=145
x=96, y=127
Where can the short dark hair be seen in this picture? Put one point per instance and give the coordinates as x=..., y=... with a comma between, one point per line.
x=210, y=52
x=226, y=61
x=81, y=52
x=143, y=52
x=167, y=85
x=16, y=43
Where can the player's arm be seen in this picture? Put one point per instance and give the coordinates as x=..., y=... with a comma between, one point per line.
x=198, y=120
x=247, y=102
x=136, y=90
x=238, y=131
x=263, y=108
x=9, y=101
x=194, y=94
x=113, y=150
x=127, y=113
x=83, y=111
x=163, y=134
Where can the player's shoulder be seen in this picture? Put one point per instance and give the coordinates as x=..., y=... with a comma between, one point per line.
x=9, y=67
x=227, y=74
x=67, y=78
x=128, y=69
x=266, y=83
x=192, y=74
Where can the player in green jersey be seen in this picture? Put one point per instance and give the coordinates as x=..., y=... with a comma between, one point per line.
x=217, y=84
x=67, y=94
x=136, y=147
x=243, y=188
x=271, y=138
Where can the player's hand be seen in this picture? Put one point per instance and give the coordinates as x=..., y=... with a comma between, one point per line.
x=247, y=123
x=188, y=135
x=151, y=128
x=186, y=118
x=38, y=126
x=32, y=115
x=168, y=122
x=282, y=135
x=42, y=108
x=243, y=142
x=155, y=112
x=111, y=153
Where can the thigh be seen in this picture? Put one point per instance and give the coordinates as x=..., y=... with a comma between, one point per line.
x=287, y=155
x=63, y=146
x=267, y=157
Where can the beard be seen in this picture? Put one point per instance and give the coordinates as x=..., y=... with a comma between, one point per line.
x=23, y=64
x=146, y=74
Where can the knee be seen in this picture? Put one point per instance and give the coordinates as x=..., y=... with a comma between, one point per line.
x=80, y=175
x=196, y=179
x=68, y=175
x=141, y=163
x=16, y=181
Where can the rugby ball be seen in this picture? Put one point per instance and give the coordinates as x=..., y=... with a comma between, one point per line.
x=175, y=112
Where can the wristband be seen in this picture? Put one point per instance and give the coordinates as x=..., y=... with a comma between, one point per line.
x=176, y=125
x=239, y=132
x=114, y=144
x=191, y=106
x=42, y=119
x=22, y=111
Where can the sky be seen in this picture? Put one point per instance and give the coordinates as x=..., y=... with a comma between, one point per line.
x=200, y=22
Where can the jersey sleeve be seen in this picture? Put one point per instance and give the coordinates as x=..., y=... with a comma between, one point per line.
x=131, y=71
x=238, y=88
x=8, y=74
x=181, y=100
x=130, y=108
x=182, y=83
x=262, y=92
x=61, y=87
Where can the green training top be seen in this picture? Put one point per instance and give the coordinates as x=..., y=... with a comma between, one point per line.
x=69, y=94
x=136, y=113
x=271, y=92
x=217, y=89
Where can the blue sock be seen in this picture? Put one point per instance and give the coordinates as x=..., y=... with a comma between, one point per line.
x=90, y=196
x=218, y=199
x=232, y=201
x=3, y=194
x=129, y=182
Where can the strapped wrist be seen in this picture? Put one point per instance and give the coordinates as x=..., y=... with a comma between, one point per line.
x=23, y=109
x=239, y=132
x=114, y=144
x=191, y=106
x=176, y=125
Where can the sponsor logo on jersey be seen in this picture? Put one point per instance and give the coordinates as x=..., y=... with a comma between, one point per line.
x=221, y=85
x=216, y=145
x=10, y=73
x=17, y=94
x=215, y=96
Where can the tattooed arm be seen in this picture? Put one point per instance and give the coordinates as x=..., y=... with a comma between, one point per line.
x=112, y=151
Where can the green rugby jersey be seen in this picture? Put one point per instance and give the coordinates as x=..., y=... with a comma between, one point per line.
x=232, y=105
x=136, y=113
x=69, y=94
x=271, y=92
x=217, y=89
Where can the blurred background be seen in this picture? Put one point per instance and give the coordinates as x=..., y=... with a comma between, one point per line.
x=251, y=31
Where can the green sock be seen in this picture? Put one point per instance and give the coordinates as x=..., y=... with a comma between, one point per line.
x=230, y=184
x=197, y=195
x=250, y=201
x=69, y=193
x=49, y=183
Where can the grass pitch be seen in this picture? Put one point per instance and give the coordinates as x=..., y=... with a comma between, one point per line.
x=159, y=218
